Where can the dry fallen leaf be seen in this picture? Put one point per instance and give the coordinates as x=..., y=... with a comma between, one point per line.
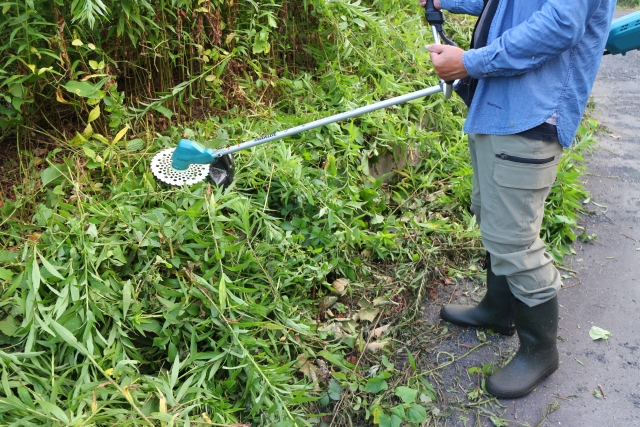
x=382, y=301
x=332, y=328
x=309, y=370
x=377, y=332
x=381, y=278
x=598, y=333
x=363, y=303
x=374, y=347
x=368, y=314
x=329, y=301
x=340, y=285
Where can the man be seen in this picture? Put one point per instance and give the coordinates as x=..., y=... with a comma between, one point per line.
x=527, y=77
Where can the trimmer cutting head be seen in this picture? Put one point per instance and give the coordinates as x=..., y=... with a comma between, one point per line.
x=161, y=166
x=221, y=170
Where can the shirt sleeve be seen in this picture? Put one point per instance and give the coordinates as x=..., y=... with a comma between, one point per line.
x=469, y=7
x=558, y=26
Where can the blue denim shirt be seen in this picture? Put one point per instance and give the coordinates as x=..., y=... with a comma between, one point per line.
x=541, y=59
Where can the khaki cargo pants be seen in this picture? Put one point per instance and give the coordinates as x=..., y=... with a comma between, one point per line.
x=512, y=177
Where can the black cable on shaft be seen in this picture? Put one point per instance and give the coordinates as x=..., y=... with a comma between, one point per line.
x=446, y=39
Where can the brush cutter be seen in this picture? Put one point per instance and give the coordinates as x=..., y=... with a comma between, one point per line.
x=190, y=163
x=624, y=35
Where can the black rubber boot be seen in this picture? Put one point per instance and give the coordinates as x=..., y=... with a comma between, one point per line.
x=494, y=312
x=537, y=356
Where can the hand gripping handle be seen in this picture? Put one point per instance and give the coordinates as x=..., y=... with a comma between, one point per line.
x=435, y=18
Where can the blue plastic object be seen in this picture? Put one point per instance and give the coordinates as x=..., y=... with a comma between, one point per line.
x=624, y=34
x=191, y=153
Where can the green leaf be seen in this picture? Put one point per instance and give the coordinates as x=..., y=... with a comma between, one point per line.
x=94, y=114
x=222, y=290
x=53, y=410
x=498, y=422
x=332, y=358
x=416, y=414
x=127, y=290
x=51, y=176
x=49, y=267
x=399, y=411
x=376, y=385
x=335, y=390
x=260, y=46
x=175, y=372
x=163, y=110
x=9, y=326
x=377, y=219
x=35, y=275
x=597, y=333
x=412, y=360
x=389, y=421
x=83, y=89
x=92, y=231
x=67, y=336
x=136, y=144
x=5, y=274
x=406, y=394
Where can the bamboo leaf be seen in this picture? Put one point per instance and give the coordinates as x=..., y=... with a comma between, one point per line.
x=50, y=268
x=53, y=410
x=127, y=291
x=175, y=372
x=222, y=293
x=120, y=135
x=35, y=275
x=67, y=336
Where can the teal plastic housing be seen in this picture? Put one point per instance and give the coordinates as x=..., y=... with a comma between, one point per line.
x=189, y=153
x=624, y=35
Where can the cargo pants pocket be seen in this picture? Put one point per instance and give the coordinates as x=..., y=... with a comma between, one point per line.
x=522, y=185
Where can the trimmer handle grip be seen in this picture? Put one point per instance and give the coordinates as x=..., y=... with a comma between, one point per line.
x=433, y=15
x=435, y=18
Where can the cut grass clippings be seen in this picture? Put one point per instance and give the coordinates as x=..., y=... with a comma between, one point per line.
x=126, y=302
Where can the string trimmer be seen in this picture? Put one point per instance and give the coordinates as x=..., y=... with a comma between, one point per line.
x=190, y=163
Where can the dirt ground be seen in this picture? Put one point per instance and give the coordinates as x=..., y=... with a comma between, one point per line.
x=598, y=382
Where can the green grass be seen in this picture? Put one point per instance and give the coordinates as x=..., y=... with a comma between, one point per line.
x=629, y=4
x=126, y=302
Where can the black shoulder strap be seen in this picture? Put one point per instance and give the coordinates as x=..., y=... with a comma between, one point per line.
x=480, y=35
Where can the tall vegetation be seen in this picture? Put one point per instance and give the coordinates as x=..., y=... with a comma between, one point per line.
x=60, y=59
x=125, y=302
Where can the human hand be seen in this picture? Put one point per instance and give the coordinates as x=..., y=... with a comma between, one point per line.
x=447, y=61
x=436, y=3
